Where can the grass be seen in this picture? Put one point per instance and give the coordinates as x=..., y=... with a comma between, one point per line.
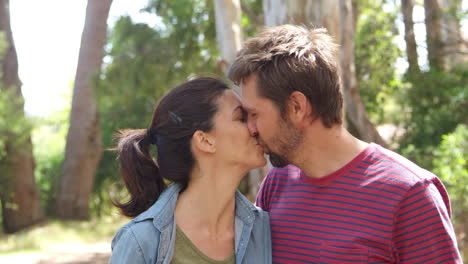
x=53, y=234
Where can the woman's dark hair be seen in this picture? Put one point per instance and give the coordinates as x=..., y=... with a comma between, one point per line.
x=184, y=110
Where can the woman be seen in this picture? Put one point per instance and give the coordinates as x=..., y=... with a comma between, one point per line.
x=204, y=147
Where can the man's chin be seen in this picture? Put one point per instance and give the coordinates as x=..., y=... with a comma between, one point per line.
x=277, y=161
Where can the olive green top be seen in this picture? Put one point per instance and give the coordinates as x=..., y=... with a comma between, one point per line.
x=185, y=252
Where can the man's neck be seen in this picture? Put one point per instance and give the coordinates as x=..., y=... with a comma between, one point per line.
x=325, y=151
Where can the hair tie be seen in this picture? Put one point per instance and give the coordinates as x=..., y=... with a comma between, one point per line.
x=151, y=136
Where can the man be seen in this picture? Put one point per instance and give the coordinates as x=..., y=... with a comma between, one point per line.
x=342, y=200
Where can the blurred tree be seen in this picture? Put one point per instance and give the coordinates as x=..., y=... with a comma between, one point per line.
x=436, y=103
x=144, y=62
x=252, y=16
x=83, y=148
x=435, y=52
x=19, y=195
x=228, y=30
x=190, y=27
x=411, y=47
x=49, y=137
x=445, y=44
x=436, y=100
x=376, y=53
x=339, y=17
x=451, y=165
x=127, y=91
x=455, y=44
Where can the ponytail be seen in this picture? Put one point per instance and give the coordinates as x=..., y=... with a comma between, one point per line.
x=139, y=172
x=187, y=108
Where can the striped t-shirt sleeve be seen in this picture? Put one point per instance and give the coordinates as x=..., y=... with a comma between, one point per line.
x=423, y=231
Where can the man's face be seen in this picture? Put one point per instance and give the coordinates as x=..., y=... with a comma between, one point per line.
x=278, y=137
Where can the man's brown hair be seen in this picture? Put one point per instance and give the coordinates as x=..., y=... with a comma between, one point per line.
x=291, y=58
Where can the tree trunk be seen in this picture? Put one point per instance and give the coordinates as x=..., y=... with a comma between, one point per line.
x=340, y=21
x=355, y=111
x=435, y=54
x=228, y=30
x=21, y=208
x=319, y=13
x=83, y=148
x=229, y=36
x=257, y=19
x=411, y=48
x=455, y=46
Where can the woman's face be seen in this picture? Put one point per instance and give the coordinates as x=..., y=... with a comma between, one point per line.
x=234, y=144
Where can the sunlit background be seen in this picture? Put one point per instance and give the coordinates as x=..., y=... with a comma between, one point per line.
x=424, y=119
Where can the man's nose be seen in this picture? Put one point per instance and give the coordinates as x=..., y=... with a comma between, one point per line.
x=252, y=127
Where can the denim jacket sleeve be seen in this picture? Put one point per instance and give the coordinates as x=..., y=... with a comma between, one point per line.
x=267, y=234
x=125, y=248
x=258, y=250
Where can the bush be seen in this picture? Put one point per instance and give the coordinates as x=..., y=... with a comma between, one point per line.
x=450, y=164
x=49, y=138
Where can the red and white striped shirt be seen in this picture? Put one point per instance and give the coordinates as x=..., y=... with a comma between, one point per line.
x=378, y=208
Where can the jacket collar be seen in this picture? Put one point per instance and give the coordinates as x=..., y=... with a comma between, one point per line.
x=162, y=211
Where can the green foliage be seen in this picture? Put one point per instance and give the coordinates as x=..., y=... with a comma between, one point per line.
x=376, y=53
x=49, y=138
x=252, y=18
x=14, y=126
x=451, y=165
x=437, y=102
x=144, y=63
x=190, y=29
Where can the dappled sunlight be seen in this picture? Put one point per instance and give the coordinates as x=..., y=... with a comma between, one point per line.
x=62, y=242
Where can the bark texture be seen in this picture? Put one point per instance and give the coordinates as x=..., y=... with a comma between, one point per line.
x=228, y=30
x=21, y=206
x=339, y=18
x=433, y=14
x=455, y=44
x=83, y=148
x=411, y=47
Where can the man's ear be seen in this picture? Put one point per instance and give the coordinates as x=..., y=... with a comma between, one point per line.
x=204, y=142
x=299, y=107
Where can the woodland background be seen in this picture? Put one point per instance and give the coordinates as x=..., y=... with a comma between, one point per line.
x=55, y=169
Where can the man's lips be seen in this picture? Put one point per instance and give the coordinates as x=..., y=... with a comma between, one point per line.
x=261, y=145
x=258, y=143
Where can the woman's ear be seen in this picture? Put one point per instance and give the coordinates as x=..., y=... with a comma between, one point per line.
x=204, y=142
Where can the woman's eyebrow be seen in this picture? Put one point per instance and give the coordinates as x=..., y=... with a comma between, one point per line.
x=246, y=108
x=239, y=107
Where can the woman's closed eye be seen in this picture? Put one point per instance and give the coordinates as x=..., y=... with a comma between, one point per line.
x=240, y=114
x=243, y=117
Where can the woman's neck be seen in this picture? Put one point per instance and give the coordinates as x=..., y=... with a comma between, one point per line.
x=208, y=202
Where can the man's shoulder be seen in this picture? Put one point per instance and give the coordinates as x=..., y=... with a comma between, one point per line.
x=398, y=166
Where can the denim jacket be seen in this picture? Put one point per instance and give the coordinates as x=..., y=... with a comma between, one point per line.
x=150, y=237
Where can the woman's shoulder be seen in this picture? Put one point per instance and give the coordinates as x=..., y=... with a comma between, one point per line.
x=136, y=231
x=137, y=240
